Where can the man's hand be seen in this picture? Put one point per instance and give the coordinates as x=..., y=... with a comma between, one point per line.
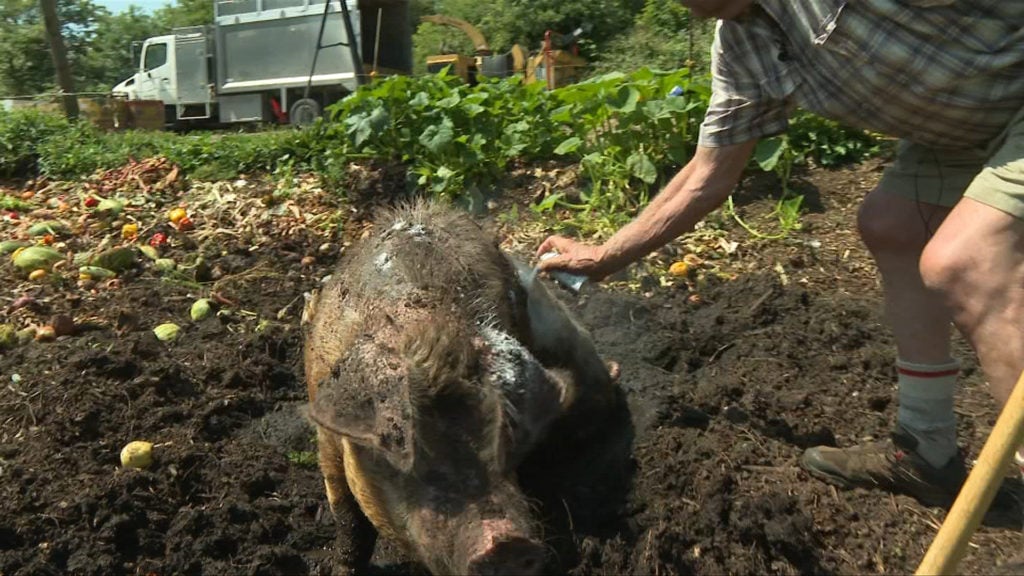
x=575, y=257
x=700, y=187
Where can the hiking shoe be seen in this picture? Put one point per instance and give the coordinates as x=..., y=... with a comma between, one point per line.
x=892, y=465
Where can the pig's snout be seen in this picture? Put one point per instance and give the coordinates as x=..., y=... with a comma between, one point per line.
x=502, y=550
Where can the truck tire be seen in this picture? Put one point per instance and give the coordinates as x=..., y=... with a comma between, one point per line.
x=304, y=112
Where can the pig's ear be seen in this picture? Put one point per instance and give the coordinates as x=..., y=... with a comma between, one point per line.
x=361, y=407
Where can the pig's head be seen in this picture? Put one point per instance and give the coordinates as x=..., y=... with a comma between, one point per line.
x=437, y=425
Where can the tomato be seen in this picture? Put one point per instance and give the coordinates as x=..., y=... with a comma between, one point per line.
x=158, y=240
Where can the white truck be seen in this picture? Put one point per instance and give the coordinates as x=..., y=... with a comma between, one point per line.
x=260, y=62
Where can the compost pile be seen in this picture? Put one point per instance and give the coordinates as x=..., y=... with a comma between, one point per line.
x=732, y=366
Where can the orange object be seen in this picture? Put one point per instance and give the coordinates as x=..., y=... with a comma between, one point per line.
x=679, y=269
x=176, y=215
x=185, y=224
x=129, y=231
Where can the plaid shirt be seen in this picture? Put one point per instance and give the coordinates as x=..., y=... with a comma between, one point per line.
x=942, y=73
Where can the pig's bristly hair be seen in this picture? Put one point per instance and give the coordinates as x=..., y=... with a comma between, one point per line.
x=445, y=249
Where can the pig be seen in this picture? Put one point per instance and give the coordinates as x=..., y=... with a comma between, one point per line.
x=434, y=364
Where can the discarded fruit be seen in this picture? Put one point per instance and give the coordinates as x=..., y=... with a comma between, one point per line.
x=45, y=334
x=149, y=251
x=21, y=302
x=679, y=269
x=200, y=309
x=38, y=274
x=8, y=246
x=176, y=215
x=63, y=325
x=110, y=206
x=8, y=336
x=157, y=240
x=95, y=273
x=47, y=227
x=137, y=454
x=167, y=332
x=129, y=231
x=185, y=224
x=165, y=264
x=91, y=201
x=36, y=257
x=25, y=335
x=117, y=259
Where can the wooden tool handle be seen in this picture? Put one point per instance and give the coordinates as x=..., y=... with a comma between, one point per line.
x=981, y=486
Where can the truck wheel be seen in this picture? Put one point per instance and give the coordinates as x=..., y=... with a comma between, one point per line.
x=304, y=112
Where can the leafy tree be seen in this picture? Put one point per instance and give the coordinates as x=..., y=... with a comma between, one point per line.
x=183, y=13
x=111, y=56
x=663, y=36
x=524, y=22
x=58, y=53
x=664, y=16
x=25, y=63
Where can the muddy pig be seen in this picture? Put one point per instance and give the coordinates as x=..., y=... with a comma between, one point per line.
x=434, y=365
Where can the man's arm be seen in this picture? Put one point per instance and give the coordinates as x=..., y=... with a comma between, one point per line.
x=700, y=187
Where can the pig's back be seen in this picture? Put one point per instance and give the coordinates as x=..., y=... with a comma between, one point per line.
x=425, y=262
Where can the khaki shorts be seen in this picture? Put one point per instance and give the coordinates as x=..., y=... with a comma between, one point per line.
x=993, y=176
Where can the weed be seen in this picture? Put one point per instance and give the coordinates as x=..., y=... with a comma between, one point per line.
x=303, y=458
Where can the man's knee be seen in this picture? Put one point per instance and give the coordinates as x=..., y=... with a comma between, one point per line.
x=946, y=269
x=974, y=259
x=891, y=223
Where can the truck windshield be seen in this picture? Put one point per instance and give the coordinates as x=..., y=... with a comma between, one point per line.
x=156, y=56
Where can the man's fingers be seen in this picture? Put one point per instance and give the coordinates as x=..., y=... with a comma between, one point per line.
x=557, y=243
x=553, y=263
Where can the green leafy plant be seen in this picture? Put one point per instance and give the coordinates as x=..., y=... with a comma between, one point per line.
x=775, y=155
x=627, y=132
x=829, y=143
x=303, y=458
x=453, y=136
x=21, y=133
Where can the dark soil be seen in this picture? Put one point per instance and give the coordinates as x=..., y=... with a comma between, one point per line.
x=699, y=474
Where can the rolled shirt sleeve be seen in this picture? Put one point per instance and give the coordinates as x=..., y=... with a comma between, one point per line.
x=750, y=86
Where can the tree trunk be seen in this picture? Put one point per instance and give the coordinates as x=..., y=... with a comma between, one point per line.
x=60, y=57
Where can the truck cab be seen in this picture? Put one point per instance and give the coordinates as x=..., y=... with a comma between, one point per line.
x=153, y=80
x=174, y=69
x=271, y=60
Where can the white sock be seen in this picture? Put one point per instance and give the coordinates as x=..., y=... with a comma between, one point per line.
x=926, y=408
